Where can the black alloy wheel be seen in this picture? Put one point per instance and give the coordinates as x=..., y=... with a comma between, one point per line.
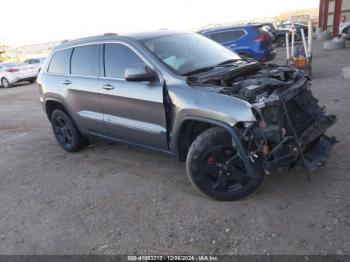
x=66, y=133
x=215, y=167
x=222, y=167
x=63, y=132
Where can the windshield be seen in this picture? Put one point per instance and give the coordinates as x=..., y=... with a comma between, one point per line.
x=184, y=53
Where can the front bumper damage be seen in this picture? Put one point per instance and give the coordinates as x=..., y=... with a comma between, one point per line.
x=311, y=149
x=291, y=129
x=290, y=124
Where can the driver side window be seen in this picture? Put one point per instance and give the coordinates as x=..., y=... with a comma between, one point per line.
x=117, y=57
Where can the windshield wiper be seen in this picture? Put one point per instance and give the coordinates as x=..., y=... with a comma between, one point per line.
x=199, y=70
x=229, y=61
x=208, y=68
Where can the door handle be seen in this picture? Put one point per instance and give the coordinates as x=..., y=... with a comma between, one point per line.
x=107, y=87
x=66, y=82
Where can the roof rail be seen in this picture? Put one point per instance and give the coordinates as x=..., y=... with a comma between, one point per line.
x=106, y=34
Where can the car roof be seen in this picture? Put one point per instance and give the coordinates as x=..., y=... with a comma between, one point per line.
x=112, y=36
x=151, y=34
x=9, y=64
x=228, y=27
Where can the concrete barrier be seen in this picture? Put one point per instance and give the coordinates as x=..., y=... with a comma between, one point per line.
x=334, y=44
x=324, y=36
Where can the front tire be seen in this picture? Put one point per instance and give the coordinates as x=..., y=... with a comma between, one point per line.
x=215, y=168
x=66, y=133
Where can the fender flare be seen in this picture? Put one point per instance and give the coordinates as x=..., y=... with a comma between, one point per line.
x=65, y=108
x=53, y=100
x=235, y=139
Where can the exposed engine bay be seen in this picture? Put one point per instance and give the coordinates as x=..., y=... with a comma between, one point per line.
x=290, y=123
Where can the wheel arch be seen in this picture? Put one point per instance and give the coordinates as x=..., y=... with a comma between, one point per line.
x=183, y=138
x=51, y=104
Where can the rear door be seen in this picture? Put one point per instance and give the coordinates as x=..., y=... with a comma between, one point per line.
x=133, y=111
x=75, y=74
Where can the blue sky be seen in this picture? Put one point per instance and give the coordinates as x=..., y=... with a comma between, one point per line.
x=34, y=21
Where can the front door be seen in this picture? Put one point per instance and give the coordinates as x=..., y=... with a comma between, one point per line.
x=133, y=111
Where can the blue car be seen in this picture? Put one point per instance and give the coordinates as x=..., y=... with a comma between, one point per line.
x=247, y=40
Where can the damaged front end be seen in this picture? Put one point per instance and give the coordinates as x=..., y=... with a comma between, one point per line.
x=291, y=126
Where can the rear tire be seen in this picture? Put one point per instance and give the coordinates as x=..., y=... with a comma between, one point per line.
x=5, y=83
x=215, y=168
x=32, y=80
x=66, y=133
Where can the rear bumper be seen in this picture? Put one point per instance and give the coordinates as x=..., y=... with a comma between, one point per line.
x=29, y=78
x=14, y=78
x=269, y=55
x=265, y=55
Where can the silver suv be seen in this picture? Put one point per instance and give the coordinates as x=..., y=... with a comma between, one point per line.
x=231, y=119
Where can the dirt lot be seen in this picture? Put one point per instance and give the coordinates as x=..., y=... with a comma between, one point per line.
x=116, y=199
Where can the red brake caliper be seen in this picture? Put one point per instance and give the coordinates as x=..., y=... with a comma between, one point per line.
x=211, y=161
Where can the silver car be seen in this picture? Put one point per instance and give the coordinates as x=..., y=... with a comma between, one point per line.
x=231, y=119
x=35, y=63
x=11, y=73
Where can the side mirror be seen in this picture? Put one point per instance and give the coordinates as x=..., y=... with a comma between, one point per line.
x=140, y=73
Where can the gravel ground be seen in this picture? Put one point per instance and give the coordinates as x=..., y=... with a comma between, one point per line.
x=116, y=199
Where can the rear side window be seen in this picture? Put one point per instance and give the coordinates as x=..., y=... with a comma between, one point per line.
x=227, y=36
x=60, y=62
x=117, y=57
x=85, y=60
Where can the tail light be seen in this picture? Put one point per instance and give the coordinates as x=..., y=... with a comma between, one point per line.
x=260, y=38
x=12, y=70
